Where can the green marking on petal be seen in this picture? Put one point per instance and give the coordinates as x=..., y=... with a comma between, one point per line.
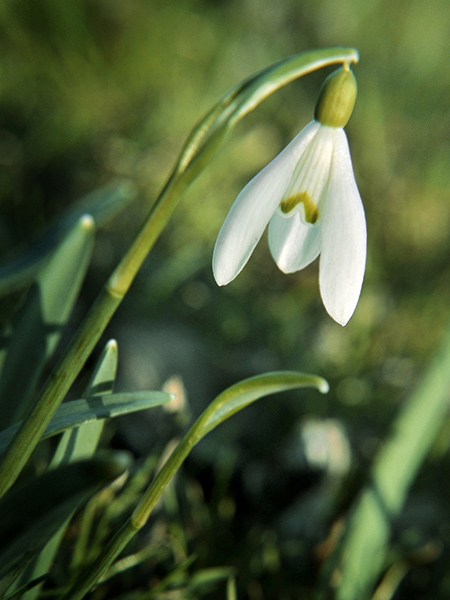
x=311, y=212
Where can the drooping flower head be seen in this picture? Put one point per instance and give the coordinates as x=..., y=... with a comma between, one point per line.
x=309, y=198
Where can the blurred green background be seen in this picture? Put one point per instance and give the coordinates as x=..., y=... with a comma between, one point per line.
x=93, y=91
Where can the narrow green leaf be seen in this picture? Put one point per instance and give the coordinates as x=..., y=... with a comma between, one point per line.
x=31, y=513
x=39, y=324
x=244, y=393
x=206, y=577
x=102, y=204
x=361, y=557
x=8, y=579
x=75, y=444
x=104, y=375
x=231, y=589
x=226, y=404
x=81, y=442
x=75, y=413
x=32, y=585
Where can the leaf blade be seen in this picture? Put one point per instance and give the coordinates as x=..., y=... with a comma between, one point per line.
x=84, y=410
x=248, y=391
x=26, y=527
x=102, y=203
x=38, y=326
x=361, y=556
x=75, y=444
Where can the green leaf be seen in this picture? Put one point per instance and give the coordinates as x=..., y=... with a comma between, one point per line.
x=231, y=589
x=32, y=585
x=81, y=442
x=244, y=393
x=207, y=577
x=102, y=204
x=31, y=513
x=75, y=413
x=75, y=444
x=39, y=324
x=104, y=375
x=361, y=557
x=224, y=406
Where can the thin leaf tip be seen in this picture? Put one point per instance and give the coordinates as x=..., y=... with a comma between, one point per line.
x=87, y=222
x=323, y=386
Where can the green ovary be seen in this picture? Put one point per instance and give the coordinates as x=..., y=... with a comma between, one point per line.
x=311, y=212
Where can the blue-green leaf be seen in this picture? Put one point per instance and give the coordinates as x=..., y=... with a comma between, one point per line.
x=102, y=204
x=81, y=442
x=39, y=324
x=75, y=413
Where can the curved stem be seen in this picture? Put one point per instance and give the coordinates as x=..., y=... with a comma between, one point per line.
x=199, y=149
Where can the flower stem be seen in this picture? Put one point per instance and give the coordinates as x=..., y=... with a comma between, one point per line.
x=86, y=337
x=198, y=150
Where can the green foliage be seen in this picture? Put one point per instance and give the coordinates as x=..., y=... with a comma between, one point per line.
x=102, y=204
x=285, y=500
x=76, y=412
x=363, y=553
x=26, y=525
x=76, y=444
x=58, y=282
x=39, y=324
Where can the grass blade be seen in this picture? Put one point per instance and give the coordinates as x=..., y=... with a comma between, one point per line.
x=26, y=526
x=361, y=557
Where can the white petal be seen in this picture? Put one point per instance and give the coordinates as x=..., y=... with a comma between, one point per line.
x=344, y=237
x=293, y=244
x=254, y=207
x=313, y=169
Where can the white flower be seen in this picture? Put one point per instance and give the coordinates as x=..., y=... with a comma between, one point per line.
x=309, y=198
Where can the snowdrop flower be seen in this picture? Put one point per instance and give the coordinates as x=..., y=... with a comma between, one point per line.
x=309, y=198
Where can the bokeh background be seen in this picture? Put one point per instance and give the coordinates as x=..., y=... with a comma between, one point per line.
x=95, y=91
